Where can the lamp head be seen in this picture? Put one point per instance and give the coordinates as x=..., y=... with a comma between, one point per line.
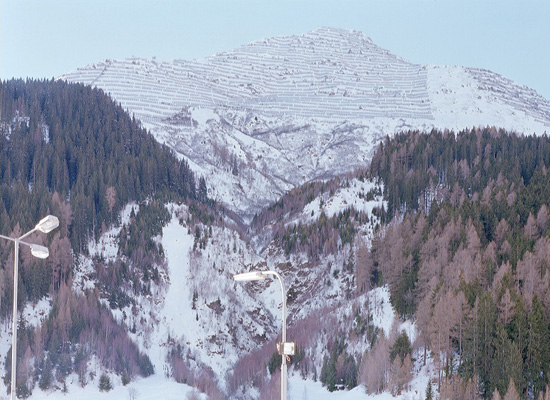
x=39, y=251
x=250, y=276
x=47, y=224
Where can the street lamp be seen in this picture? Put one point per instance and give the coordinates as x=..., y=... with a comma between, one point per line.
x=45, y=225
x=285, y=349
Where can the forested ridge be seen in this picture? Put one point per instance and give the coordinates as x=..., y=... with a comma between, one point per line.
x=466, y=253
x=73, y=140
x=325, y=235
x=69, y=150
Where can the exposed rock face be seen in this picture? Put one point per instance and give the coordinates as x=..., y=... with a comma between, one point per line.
x=273, y=114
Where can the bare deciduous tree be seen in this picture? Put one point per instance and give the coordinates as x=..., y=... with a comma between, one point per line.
x=363, y=268
x=375, y=367
x=511, y=392
x=531, y=229
x=110, y=197
x=542, y=219
x=132, y=393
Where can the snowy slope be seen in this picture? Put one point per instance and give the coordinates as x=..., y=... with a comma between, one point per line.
x=196, y=307
x=217, y=321
x=203, y=326
x=459, y=95
x=153, y=388
x=266, y=117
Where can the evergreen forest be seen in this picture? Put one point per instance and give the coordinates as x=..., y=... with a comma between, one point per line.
x=69, y=150
x=466, y=253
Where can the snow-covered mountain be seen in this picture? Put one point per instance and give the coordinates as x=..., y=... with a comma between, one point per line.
x=276, y=113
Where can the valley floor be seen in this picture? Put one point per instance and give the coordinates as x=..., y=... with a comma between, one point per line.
x=157, y=387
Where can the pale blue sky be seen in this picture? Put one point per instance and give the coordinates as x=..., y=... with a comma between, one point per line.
x=46, y=38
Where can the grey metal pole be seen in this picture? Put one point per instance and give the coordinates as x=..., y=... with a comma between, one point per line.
x=283, y=356
x=14, y=321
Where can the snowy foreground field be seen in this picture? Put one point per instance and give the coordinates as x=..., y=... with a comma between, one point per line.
x=158, y=388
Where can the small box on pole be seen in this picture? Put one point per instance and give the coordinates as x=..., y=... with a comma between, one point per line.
x=287, y=348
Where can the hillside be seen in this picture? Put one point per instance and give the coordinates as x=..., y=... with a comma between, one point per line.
x=146, y=289
x=466, y=254
x=68, y=150
x=274, y=114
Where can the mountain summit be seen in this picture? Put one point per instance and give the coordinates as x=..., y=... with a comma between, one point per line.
x=278, y=112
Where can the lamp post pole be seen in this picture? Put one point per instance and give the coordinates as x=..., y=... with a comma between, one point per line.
x=284, y=348
x=283, y=340
x=14, y=321
x=46, y=225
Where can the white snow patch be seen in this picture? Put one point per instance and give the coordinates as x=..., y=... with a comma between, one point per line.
x=35, y=314
x=409, y=327
x=107, y=246
x=381, y=309
x=155, y=387
x=82, y=275
x=459, y=94
x=352, y=195
x=176, y=318
x=202, y=115
x=299, y=388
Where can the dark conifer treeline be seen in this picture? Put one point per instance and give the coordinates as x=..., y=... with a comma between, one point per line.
x=414, y=166
x=73, y=140
x=68, y=150
x=322, y=237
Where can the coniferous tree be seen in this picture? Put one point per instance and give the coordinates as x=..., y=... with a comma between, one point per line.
x=401, y=347
x=429, y=391
x=105, y=384
x=538, y=352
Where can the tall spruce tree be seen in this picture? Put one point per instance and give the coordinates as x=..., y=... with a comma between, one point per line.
x=538, y=350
